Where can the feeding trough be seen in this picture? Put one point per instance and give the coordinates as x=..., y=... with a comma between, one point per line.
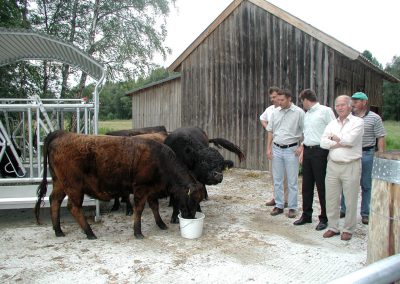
x=192, y=228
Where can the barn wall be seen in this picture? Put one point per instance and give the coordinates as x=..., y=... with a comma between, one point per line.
x=352, y=76
x=158, y=105
x=226, y=78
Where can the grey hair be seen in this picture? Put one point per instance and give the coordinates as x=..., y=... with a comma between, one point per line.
x=348, y=98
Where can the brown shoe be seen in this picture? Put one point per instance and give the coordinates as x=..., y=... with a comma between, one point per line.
x=276, y=211
x=330, y=234
x=270, y=203
x=346, y=236
x=365, y=220
x=292, y=213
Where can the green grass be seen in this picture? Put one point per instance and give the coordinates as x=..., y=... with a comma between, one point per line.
x=112, y=125
x=392, y=129
x=393, y=134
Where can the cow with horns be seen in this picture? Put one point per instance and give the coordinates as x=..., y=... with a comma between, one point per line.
x=191, y=146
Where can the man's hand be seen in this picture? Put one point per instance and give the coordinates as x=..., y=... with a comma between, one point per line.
x=269, y=154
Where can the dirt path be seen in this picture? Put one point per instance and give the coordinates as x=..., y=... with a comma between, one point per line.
x=241, y=243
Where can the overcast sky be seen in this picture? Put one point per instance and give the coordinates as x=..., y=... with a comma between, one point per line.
x=360, y=24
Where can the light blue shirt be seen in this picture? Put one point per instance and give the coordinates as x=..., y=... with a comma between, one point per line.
x=315, y=121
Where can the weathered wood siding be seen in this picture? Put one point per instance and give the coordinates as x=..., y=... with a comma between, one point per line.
x=158, y=105
x=225, y=80
x=352, y=76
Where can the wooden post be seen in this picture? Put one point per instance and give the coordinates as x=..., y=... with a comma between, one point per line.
x=384, y=218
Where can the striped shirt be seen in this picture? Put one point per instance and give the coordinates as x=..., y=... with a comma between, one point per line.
x=373, y=129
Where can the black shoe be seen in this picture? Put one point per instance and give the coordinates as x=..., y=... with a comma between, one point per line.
x=342, y=214
x=276, y=211
x=303, y=219
x=321, y=226
x=365, y=220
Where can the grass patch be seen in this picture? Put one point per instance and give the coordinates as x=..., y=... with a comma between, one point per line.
x=392, y=138
x=112, y=125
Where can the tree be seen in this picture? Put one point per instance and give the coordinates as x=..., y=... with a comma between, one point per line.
x=367, y=54
x=391, y=92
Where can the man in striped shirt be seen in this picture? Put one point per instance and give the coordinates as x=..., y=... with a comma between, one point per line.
x=373, y=131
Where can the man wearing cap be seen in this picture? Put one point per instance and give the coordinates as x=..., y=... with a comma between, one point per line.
x=373, y=131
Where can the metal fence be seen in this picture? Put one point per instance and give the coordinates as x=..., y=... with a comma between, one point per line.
x=24, y=123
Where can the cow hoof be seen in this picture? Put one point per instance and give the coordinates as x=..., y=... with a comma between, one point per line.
x=91, y=237
x=174, y=221
x=162, y=226
x=59, y=234
x=129, y=213
x=139, y=236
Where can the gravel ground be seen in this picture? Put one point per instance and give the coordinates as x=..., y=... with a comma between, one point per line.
x=241, y=243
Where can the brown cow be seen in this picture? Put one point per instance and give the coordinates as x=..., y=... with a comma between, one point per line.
x=159, y=137
x=104, y=167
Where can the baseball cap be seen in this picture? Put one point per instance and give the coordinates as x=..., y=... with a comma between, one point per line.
x=359, y=96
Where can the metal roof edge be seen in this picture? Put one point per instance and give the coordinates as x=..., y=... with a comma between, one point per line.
x=386, y=75
x=169, y=78
x=61, y=42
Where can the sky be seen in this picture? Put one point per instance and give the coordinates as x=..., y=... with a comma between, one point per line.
x=361, y=24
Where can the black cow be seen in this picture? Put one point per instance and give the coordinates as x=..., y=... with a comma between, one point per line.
x=105, y=167
x=191, y=145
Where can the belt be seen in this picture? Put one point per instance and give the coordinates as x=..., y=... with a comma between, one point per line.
x=286, y=146
x=367, y=148
x=312, y=147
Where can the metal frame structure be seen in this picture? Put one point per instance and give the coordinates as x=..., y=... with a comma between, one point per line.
x=25, y=122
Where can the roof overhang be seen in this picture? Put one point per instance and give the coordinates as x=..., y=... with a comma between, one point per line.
x=296, y=22
x=20, y=44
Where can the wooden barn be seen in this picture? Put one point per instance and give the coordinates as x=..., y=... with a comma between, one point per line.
x=225, y=73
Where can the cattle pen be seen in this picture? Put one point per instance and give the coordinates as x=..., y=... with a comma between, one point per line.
x=24, y=122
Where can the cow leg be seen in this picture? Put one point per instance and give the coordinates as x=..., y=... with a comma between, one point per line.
x=116, y=204
x=137, y=223
x=175, y=212
x=75, y=207
x=129, y=208
x=56, y=198
x=153, y=203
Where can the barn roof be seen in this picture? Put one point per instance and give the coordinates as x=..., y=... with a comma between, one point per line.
x=296, y=22
x=165, y=80
x=23, y=44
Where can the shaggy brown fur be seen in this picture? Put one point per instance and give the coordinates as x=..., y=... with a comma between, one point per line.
x=104, y=167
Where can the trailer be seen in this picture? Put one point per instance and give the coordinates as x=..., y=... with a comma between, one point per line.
x=25, y=122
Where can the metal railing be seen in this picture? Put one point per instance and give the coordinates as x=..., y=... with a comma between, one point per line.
x=38, y=118
x=386, y=270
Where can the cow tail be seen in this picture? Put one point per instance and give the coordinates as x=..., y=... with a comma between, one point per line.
x=220, y=142
x=42, y=188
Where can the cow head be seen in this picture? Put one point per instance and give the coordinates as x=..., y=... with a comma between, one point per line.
x=209, y=166
x=189, y=199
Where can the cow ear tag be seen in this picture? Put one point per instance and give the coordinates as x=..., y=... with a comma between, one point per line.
x=189, y=192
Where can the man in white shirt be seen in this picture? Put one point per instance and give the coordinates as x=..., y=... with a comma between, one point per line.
x=343, y=138
x=264, y=118
x=313, y=157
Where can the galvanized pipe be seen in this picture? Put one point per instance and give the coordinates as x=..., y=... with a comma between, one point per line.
x=386, y=270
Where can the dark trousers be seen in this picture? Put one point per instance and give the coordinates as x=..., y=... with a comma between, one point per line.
x=314, y=171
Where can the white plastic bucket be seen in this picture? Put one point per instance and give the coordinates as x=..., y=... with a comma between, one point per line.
x=191, y=228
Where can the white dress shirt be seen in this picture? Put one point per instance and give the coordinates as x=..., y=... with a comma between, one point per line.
x=350, y=133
